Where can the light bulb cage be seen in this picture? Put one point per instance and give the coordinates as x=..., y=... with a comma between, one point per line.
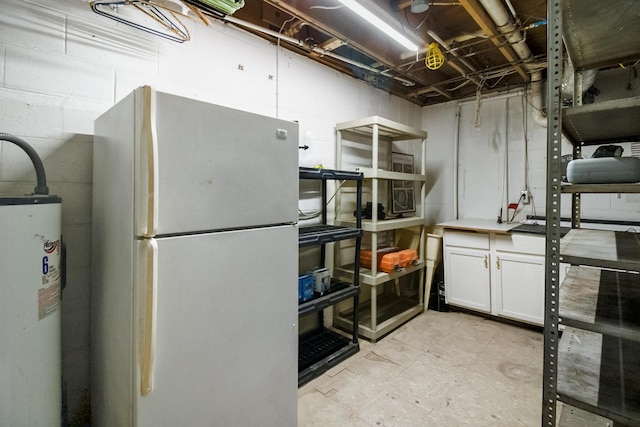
x=434, y=58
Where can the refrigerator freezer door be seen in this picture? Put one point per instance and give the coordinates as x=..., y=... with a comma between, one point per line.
x=216, y=168
x=226, y=332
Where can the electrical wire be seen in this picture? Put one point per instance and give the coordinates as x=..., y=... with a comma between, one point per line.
x=515, y=210
x=477, y=120
x=314, y=214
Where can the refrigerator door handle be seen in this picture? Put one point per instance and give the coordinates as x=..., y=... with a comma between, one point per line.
x=147, y=290
x=147, y=182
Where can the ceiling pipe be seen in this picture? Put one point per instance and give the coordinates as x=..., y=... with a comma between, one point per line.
x=504, y=22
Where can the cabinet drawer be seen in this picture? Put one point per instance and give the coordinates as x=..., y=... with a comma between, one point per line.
x=466, y=239
x=521, y=243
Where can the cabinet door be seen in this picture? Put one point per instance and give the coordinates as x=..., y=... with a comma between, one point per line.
x=519, y=286
x=467, y=277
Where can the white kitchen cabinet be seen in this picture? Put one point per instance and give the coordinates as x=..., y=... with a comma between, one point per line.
x=468, y=280
x=467, y=272
x=518, y=282
x=494, y=270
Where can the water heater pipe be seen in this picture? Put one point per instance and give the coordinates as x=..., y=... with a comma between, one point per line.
x=41, y=187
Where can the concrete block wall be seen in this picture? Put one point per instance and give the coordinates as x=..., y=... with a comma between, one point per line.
x=61, y=66
x=485, y=133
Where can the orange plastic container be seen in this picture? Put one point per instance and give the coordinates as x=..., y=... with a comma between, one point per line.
x=387, y=258
x=408, y=257
x=390, y=262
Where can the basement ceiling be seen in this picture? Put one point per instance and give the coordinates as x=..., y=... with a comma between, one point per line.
x=481, y=55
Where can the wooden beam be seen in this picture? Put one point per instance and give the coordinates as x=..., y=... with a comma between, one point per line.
x=484, y=21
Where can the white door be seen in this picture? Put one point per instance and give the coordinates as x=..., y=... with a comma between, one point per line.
x=213, y=167
x=467, y=278
x=225, y=346
x=519, y=281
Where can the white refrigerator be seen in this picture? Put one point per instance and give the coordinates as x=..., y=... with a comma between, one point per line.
x=194, y=265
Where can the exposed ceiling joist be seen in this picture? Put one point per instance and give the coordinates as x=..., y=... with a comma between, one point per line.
x=478, y=53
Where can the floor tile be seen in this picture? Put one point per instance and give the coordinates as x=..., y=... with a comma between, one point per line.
x=439, y=369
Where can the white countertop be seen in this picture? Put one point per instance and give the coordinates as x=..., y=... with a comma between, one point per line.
x=473, y=224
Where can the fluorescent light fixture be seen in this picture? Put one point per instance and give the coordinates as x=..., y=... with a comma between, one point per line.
x=367, y=15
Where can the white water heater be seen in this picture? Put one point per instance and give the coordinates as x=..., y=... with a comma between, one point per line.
x=31, y=280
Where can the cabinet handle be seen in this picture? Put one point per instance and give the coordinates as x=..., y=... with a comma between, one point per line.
x=486, y=261
x=498, y=263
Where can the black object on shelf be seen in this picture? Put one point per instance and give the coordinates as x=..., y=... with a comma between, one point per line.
x=367, y=212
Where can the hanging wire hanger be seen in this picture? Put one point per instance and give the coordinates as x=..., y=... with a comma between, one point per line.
x=165, y=20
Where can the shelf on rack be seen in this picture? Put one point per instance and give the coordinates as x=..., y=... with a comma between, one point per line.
x=600, y=188
x=340, y=291
x=601, y=248
x=346, y=272
x=599, y=373
x=590, y=43
x=370, y=173
x=322, y=234
x=385, y=224
x=392, y=311
x=584, y=123
x=603, y=301
x=386, y=128
x=316, y=173
x=321, y=350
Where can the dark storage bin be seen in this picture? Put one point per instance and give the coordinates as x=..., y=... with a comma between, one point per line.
x=436, y=297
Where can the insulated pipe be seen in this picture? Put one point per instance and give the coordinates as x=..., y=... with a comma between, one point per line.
x=41, y=187
x=537, y=95
x=503, y=20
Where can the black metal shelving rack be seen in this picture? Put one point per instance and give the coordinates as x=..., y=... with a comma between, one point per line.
x=322, y=348
x=594, y=364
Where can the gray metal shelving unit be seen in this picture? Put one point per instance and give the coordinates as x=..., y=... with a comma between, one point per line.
x=594, y=364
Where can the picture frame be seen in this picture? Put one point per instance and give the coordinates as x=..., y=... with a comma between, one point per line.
x=402, y=192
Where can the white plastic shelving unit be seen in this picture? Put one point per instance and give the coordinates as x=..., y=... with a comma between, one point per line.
x=384, y=305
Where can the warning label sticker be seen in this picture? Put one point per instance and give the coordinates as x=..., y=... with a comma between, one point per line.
x=48, y=300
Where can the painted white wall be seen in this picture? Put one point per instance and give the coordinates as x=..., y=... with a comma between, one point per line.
x=487, y=178
x=61, y=66
x=485, y=133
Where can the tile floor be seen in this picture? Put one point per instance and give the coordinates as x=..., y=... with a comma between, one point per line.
x=439, y=369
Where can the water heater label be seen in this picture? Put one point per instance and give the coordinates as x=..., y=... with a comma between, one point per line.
x=49, y=292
